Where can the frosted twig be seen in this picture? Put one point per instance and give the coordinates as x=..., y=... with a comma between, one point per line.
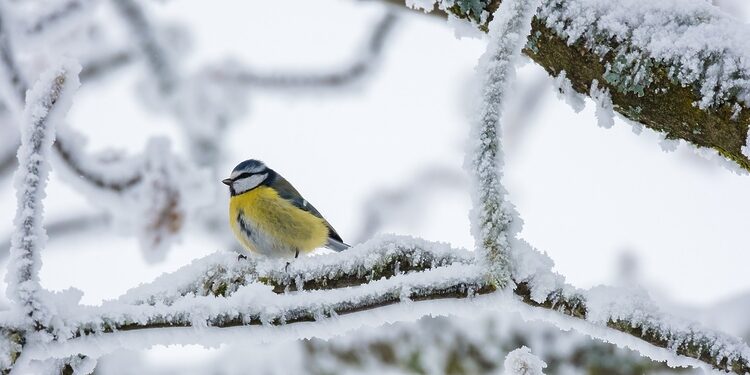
x=289, y=80
x=46, y=106
x=491, y=214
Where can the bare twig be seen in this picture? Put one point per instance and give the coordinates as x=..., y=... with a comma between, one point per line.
x=54, y=17
x=158, y=61
x=290, y=80
x=11, y=70
x=101, y=65
x=380, y=203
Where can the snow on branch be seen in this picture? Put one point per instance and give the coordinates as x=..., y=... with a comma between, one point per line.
x=224, y=291
x=492, y=215
x=678, y=67
x=522, y=362
x=151, y=195
x=46, y=106
x=364, y=63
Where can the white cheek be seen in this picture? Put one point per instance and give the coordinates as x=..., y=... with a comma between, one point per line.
x=245, y=184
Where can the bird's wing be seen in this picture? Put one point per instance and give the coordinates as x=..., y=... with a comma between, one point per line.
x=288, y=192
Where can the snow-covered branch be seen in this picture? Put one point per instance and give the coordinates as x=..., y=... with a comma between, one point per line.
x=492, y=215
x=678, y=67
x=46, y=105
x=224, y=291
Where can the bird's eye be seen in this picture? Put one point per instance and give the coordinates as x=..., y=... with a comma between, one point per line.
x=243, y=175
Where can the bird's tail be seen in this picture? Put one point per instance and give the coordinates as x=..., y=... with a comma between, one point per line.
x=336, y=245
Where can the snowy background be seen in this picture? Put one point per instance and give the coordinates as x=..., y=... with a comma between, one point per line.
x=385, y=155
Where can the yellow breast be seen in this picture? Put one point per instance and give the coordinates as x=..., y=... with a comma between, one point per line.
x=279, y=222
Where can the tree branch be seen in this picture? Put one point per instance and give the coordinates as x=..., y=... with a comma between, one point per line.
x=46, y=106
x=251, y=292
x=697, y=93
x=492, y=216
x=371, y=54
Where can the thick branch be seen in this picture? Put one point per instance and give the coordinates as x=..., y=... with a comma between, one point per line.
x=367, y=271
x=645, y=86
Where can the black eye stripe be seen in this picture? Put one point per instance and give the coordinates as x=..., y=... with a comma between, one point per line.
x=248, y=174
x=243, y=175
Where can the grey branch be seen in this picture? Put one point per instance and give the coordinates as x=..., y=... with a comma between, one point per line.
x=64, y=12
x=64, y=227
x=288, y=80
x=159, y=63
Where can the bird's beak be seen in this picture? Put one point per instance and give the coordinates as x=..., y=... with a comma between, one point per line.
x=227, y=181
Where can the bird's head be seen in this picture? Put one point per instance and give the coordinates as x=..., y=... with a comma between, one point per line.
x=247, y=176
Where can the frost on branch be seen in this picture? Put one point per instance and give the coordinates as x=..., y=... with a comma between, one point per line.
x=223, y=291
x=46, y=106
x=676, y=66
x=522, y=362
x=566, y=92
x=605, y=115
x=492, y=215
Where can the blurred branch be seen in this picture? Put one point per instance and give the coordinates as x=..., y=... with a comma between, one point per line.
x=157, y=60
x=373, y=48
x=456, y=345
x=382, y=202
x=101, y=65
x=62, y=13
x=64, y=227
x=14, y=79
x=75, y=161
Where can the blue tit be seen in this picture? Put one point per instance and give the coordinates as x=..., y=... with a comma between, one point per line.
x=268, y=216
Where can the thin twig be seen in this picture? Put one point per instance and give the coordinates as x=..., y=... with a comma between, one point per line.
x=290, y=80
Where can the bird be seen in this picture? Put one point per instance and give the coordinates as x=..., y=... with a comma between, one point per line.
x=270, y=217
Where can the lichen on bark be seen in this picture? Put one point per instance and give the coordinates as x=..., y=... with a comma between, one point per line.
x=655, y=99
